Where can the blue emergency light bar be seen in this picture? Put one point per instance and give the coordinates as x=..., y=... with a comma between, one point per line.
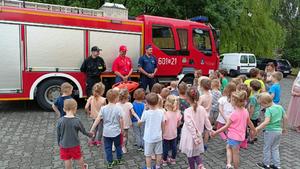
x=199, y=19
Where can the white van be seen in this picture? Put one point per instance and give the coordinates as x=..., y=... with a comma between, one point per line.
x=237, y=63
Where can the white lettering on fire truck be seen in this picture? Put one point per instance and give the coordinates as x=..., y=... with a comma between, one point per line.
x=167, y=61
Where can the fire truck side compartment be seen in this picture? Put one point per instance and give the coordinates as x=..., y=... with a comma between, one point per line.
x=10, y=64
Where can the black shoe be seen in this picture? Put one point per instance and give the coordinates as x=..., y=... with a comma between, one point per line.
x=274, y=167
x=255, y=139
x=262, y=166
x=251, y=142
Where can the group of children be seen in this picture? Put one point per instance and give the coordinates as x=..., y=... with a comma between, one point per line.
x=177, y=114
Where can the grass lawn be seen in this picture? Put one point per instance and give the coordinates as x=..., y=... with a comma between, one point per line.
x=295, y=71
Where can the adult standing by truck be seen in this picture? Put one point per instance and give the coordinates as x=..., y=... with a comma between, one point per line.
x=93, y=66
x=122, y=66
x=148, y=68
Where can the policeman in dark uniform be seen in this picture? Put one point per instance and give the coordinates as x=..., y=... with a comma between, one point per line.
x=93, y=66
x=148, y=67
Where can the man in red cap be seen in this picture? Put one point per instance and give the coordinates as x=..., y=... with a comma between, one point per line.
x=122, y=66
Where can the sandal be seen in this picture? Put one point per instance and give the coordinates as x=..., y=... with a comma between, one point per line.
x=201, y=166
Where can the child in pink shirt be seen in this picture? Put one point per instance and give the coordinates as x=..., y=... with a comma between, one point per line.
x=195, y=119
x=128, y=112
x=172, y=118
x=92, y=108
x=236, y=126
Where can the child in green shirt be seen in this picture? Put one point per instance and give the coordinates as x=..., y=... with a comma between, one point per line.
x=274, y=125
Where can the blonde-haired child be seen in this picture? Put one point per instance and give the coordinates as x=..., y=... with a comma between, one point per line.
x=66, y=92
x=111, y=114
x=275, y=124
x=128, y=111
x=195, y=119
x=172, y=118
x=92, y=108
x=236, y=126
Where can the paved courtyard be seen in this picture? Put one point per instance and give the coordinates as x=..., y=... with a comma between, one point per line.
x=28, y=140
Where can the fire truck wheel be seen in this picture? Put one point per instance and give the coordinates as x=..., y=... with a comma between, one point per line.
x=47, y=93
x=188, y=80
x=232, y=73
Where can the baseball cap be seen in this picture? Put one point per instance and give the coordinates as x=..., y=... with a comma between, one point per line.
x=148, y=46
x=95, y=48
x=123, y=48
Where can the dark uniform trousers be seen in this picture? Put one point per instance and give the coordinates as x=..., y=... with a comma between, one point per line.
x=145, y=81
x=90, y=81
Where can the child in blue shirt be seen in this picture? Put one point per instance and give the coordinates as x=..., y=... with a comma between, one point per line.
x=58, y=106
x=138, y=107
x=275, y=88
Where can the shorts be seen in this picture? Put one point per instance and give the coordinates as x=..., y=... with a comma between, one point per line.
x=70, y=153
x=233, y=143
x=153, y=148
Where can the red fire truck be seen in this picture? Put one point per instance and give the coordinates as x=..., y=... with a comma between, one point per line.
x=43, y=45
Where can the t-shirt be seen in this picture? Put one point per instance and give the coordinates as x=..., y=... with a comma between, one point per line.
x=248, y=81
x=122, y=65
x=174, y=92
x=238, y=126
x=153, y=120
x=171, y=122
x=253, y=102
x=275, y=113
x=95, y=105
x=216, y=95
x=59, y=103
x=126, y=114
x=139, y=108
x=224, y=83
x=93, y=66
x=111, y=115
x=227, y=109
x=275, y=89
x=148, y=63
x=183, y=104
x=67, y=131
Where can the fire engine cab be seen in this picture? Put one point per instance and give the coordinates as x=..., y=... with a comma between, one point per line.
x=44, y=45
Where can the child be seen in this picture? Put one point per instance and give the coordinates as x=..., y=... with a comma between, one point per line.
x=92, y=107
x=67, y=135
x=225, y=108
x=128, y=112
x=153, y=119
x=172, y=118
x=165, y=92
x=58, y=106
x=236, y=125
x=205, y=100
x=138, y=107
x=111, y=114
x=183, y=104
x=200, y=89
x=254, y=107
x=216, y=95
x=223, y=80
x=157, y=88
x=254, y=75
x=195, y=119
x=243, y=77
x=173, y=88
x=197, y=75
x=236, y=81
x=274, y=125
x=275, y=88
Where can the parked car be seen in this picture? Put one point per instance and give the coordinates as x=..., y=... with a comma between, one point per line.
x=237, y=63
x=281, y=65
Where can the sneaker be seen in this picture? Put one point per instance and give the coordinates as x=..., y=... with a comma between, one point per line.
x=119, y=162
x=255, y=139
x=124, y=149
x=86, y=166
x=172, y=161
x=98, y=143
x=228, y=166
x=262, y=166
x=164, y=163
x=140, y=149
x=274, y=167
x=113, y=148
x=91, y=143
x=205, y=147
x=109, y=165
x=250, y=141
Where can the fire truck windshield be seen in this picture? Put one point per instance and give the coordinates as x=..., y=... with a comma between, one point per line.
x=202, y=41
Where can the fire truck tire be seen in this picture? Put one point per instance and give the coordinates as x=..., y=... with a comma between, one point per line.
x=47, y=92
x=188, y=80
x=232, y=73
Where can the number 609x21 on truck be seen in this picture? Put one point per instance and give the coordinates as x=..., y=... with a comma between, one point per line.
x=43, y=45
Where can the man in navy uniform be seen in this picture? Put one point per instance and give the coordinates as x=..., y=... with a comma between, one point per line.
x=93, y=66
x=148, y=68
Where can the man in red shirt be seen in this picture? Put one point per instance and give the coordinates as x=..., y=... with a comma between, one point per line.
x=122, y=66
